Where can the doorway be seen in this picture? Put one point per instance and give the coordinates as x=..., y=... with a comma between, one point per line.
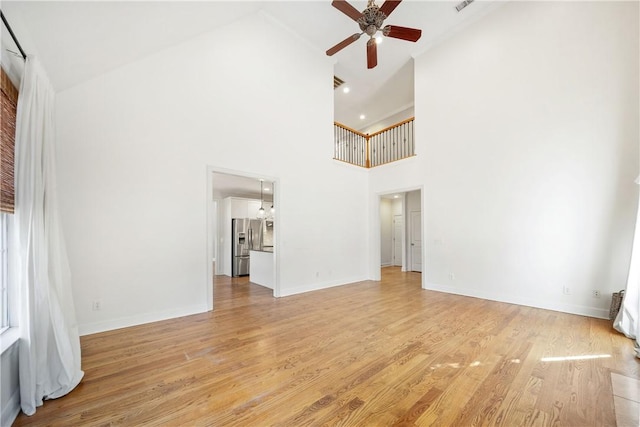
x=238, y=194
x=398, y=238
x=415, y=238
x=404, y=239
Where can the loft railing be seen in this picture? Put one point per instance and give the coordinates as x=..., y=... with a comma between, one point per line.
x=351, y=145
x=388, y=145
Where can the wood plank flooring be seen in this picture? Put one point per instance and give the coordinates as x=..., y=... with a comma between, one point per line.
x=367, y=354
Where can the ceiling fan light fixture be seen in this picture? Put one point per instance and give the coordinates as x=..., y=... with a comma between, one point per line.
x=371, y=30
x=370, y=22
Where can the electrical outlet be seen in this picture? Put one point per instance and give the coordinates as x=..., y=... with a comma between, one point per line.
x=566, y=290
x=596, y=293
x=96, y=305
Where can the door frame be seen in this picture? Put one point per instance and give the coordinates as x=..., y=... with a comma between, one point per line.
x=393, y=249
x=410, y=229
x=210, y=169
x=374, y=257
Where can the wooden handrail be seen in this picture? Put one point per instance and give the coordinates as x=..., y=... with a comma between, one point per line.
x=364, y=135
x=392, y=126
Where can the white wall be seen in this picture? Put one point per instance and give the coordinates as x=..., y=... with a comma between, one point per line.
x=9, y=386
x=527, y=128
x=133, y=150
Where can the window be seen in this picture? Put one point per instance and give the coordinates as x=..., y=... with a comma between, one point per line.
x=8, y=106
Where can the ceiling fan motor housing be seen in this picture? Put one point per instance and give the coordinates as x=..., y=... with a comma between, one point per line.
x=371, y=20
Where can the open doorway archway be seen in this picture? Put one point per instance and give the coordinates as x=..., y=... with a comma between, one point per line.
x=400, y=231
x=237, y=194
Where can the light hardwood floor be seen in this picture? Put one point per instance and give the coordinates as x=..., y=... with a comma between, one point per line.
x=366, y=354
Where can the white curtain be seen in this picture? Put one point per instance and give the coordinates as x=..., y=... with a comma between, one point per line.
x=628, y=319
x=49, y=357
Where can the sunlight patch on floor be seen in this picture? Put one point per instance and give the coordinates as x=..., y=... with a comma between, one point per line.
x=581, y=357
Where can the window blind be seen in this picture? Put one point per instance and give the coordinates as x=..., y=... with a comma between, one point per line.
x=8, y=105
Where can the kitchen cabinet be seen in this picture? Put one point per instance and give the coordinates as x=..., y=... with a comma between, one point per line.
x=252, y=208
x=261, y=268
x=245, y=208
x=238, y=208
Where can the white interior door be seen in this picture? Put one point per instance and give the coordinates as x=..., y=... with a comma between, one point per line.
x=398, y=225
x=415, y=233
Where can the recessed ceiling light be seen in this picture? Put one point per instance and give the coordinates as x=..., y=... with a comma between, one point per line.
x=396, y=196
x=362, y=116
x=346, y=89
x=378, y=39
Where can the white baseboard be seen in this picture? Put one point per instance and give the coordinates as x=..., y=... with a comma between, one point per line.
x=510, y=299
x=11, y=410
x=140, y=319
x=319, y=286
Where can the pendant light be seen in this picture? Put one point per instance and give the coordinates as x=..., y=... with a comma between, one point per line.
x=261, y=210
x=272, y=211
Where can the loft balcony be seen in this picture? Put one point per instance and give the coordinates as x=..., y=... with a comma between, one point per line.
x=385, y=146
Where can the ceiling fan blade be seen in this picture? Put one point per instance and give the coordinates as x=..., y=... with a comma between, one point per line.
x=404, y=33
x=347, y=9
x=388, y=6
x=372, y=53
x=344, y=43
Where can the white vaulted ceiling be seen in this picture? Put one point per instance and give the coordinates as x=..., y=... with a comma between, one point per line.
x=77, y=41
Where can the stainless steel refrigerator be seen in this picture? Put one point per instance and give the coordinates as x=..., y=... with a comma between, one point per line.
x=247, y=235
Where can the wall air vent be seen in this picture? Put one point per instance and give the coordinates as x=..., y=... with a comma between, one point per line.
x=464, y=4
x=337, y=81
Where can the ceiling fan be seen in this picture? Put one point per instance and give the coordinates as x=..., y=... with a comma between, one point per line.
x=370, y=21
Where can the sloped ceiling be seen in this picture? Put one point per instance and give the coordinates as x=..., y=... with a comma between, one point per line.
x=77, y=41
